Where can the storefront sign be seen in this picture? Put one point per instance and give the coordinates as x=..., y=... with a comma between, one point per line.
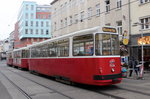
x=144, y=40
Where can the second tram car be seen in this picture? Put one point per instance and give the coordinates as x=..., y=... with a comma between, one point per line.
x=20, y=57
x=89, y=56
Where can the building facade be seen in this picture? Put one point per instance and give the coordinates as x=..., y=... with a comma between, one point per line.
x=74, y=15
x=11, y=40
x=34, y=23
x=141, y=16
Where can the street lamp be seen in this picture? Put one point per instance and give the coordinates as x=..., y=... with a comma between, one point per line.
x=142, y=52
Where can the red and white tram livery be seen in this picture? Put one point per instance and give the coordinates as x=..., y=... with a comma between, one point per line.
x=89, y=56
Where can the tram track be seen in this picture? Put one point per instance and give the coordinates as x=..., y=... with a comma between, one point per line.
x=135, y=91
x=125, y=89
x=93, y=90
x=99, y=92
x=17, y=87
x=54, y=91
x=103, y=89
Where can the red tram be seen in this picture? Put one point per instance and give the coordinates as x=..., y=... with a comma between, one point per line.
x=89, y=56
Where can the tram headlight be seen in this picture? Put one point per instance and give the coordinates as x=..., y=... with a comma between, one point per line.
x=112, y=70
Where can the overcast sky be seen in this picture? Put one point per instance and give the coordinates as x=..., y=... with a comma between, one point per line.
x=8, y=15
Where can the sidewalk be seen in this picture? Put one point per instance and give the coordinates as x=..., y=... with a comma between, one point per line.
x=145, y=77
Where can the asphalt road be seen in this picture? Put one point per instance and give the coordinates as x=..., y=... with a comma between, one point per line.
x=20, y=84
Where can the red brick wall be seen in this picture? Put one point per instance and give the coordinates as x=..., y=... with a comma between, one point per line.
x=42, y=15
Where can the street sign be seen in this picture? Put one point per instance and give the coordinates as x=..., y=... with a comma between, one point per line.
x=125, y=38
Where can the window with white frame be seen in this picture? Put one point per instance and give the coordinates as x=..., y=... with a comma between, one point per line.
x=107, y=2
x=144, y=1
x=31, y=23
x=119, y=3
x=31, y=31
x=70, y=3
x=76, y=18
x=55, y=26
x=26, y=31
x=26, y=23
x=119, y=27
x=145, y=23
x=89, y=12
x=47, y=32
x=42, y=23
x=65, y=4
x=70, y=20
x=37, y=31
x=61, y=6
x=32, y=7
x=82, y=16
x=61, y=23
x=65, y=22
x=27, y=7
x=26, y=16
x=47, y=24
x=98, y=10
x=42, y=31
x=31, y=15
x=37, y=23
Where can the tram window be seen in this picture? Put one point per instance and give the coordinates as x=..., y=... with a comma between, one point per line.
x=43, y=50
x=25, y=53
x=83, y=45
x=9, y=55
x=17, y=54
x=52, y=49
x=63, y=48
x=35, y=52
x=98, y=45
x=115, y=45
x=106, y=44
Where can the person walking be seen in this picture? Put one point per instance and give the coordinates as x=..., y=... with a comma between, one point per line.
x=132, y=65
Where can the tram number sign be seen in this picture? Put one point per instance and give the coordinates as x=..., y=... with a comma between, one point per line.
x=108, y=29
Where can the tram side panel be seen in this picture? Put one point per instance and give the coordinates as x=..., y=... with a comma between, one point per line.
x=10, y=61
x=24, y=63
x=17, y=62
x=81, y=70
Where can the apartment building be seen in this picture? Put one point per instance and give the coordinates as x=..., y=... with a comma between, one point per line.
x=34, y=23
x=74, y=15
x=140, y=26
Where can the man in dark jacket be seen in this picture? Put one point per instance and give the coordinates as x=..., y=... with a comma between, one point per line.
x=132, y=66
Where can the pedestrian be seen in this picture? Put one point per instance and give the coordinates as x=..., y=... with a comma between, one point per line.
x=132, y=65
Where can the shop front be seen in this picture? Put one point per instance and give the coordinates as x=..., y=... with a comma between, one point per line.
x=136, y=49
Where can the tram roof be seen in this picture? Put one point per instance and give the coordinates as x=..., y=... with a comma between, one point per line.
x=85, y=31
x=21, y=48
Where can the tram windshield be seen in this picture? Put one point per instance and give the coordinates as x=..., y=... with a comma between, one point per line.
x=106, y=44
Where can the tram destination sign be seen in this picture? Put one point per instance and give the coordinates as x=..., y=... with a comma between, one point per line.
x=108, y=29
